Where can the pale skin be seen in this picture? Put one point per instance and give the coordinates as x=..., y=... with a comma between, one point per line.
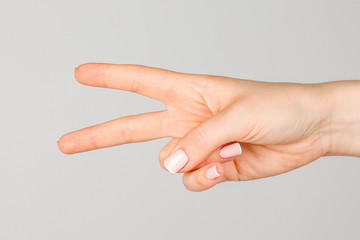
x=280, y=126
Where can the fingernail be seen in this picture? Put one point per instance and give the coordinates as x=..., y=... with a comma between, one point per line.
x=231, y=150
x=212, y=173
x=176, y=161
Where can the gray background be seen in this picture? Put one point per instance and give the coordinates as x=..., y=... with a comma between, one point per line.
x=121, y=192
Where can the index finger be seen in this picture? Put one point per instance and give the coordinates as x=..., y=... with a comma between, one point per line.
x=152, y=82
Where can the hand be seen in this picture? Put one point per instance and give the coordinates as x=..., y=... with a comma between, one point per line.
x=279, y=125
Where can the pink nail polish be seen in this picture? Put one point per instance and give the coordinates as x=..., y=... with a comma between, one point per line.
x=231, y=150
x=212, y=173
x=176, y=161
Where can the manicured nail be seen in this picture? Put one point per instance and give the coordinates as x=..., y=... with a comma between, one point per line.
x=212, y=173
x=231, y=150
x=176, y=161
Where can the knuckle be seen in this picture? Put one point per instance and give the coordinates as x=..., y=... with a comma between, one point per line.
x=199, y=137
x=139, y=76
x=126, y=132
x=93, y=138
x=136, y=73
x=193, y=183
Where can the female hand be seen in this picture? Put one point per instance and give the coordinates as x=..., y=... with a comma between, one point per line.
x=279, y=125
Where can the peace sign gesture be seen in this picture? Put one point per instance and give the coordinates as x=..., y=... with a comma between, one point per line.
x=207, y=116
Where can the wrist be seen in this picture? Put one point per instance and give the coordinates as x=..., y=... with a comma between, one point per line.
x=340, y=116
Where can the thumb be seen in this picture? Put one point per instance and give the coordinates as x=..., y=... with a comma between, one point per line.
x=196, y=146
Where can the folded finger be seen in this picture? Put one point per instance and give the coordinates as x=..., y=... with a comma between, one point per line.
x=206, y=176
x=225, y=153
